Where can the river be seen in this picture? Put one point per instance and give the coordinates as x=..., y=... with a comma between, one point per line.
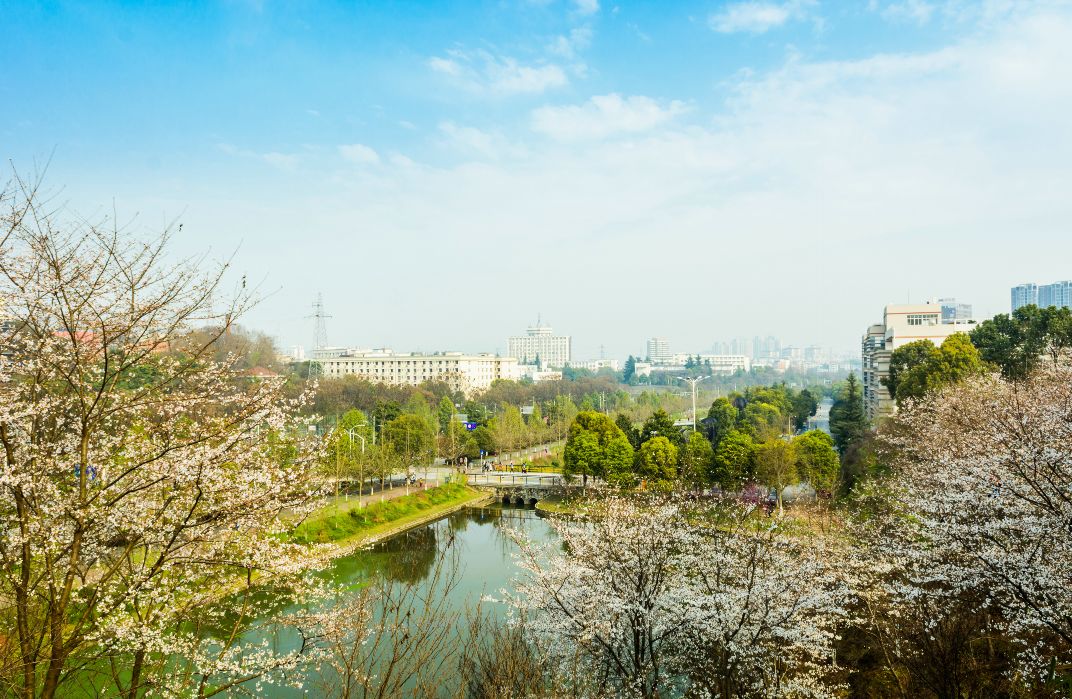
x=480, y=553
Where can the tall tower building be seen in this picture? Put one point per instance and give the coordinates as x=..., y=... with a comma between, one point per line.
x=540, y=343
x=1057, y=294
x=659, y=350
x=1025, y=295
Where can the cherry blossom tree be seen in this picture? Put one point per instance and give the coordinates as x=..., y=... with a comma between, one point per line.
x=982, y=505
x=660, y=597
x=142, y=484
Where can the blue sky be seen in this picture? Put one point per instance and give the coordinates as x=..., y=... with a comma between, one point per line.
x=442, y=172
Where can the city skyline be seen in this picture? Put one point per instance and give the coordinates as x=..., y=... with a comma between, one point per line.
x=715, y=169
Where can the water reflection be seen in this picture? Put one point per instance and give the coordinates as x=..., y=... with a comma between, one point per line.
x=471, y=548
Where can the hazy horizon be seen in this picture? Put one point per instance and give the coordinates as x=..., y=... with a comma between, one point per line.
x=445, y=174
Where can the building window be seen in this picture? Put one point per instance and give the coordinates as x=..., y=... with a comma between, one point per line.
x=923, y=319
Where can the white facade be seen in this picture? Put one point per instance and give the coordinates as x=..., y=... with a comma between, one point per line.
x=720, y=363
x=552, y=350
x=463, y=372
x=659, y=351
x=901, y=324
x=531, y=371
x=596, y=364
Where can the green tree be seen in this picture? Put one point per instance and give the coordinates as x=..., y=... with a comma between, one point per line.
x=411, y=437
x=1012, y=343
x=630, y=369
x=904, y=359
x=509, y=428
x=485, y=440
x=721, y=418
x=617, y=464
x=1056, y=324
x=596, y=447
x=776, y=466
x=628, y=429
x=956, y=360
x=384, y=412
x=656, y=463
x=804, y=403
x=848, y=421
x=581, y=456
x=762, y=420
x=817, y=461
x=734, y=461
x=477, y=412
x=696, y=461
x=445, y=413
x=661, y=424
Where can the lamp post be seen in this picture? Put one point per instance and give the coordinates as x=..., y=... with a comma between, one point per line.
x=693, y=382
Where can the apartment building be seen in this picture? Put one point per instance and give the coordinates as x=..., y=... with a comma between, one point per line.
x=901, y=324
x=463, y=372
x=540, y=343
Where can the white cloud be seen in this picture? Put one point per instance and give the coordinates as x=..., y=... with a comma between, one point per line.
x=586, y=7
x=753, y=17
x=917, y=11
x=482, y=71
x=359, y=153
x=283, y=161
x=926, y=163
x=569, y=46
x=470, y=140
x=603, y=116
x=445, y=66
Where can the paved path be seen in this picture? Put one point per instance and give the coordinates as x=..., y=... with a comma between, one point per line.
x=821, y=419
x=432, y=478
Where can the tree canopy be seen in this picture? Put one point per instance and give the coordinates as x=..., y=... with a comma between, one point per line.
x=848, y=421
x=1017, y=343
x=956, y=360
x=595, y=446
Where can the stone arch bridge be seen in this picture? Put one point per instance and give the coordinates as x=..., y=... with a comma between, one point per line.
x=525, y=488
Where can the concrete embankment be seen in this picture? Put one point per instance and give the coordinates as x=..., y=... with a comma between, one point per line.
x=347, y=546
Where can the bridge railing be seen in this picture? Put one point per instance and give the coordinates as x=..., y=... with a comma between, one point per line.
x=516, y=479
x=530, y=480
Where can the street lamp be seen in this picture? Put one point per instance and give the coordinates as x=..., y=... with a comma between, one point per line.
x=351, y=433
x=694, y=381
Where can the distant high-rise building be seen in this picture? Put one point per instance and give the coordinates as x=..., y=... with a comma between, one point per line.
x=1024, y=295
x=1057, y=294
x=953, y=311
x=901, y=324
x=540, y=343
x=772, y=347
x=659, y=350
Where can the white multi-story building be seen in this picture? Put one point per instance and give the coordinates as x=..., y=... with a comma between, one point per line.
x=596, y=364
x=901, y=324
x=540, y=343
x=659, y=351
x=463, y=372
x=727, y=363
x=720, y=363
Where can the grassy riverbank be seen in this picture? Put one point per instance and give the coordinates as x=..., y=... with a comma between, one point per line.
x=337, y=524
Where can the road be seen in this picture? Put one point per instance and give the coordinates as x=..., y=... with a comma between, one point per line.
x=821, y=419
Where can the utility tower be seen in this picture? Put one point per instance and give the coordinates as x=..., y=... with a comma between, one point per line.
x=321, y=339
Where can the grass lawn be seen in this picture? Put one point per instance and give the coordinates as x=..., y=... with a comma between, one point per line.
x=341, y=521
